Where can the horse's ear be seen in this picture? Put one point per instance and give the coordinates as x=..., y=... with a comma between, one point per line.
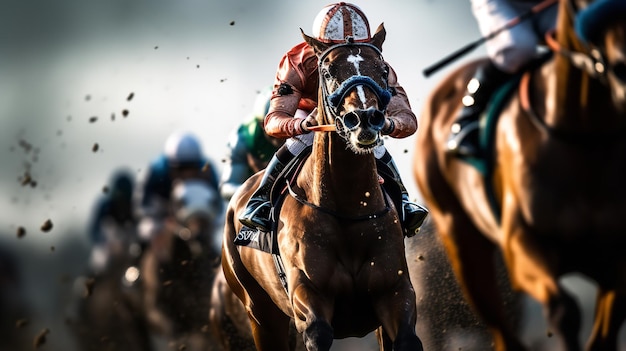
x=379, y=37
x=318, y=46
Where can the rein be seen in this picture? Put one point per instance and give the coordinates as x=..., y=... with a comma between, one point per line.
x=366, y=217
x=323, y=128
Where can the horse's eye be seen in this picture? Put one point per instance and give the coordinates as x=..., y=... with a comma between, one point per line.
x=386, y=73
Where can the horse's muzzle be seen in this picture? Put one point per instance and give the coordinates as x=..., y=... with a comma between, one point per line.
x=362, y=128
x=367, y=119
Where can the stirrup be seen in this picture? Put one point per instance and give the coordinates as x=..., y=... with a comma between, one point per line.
x=256, y=218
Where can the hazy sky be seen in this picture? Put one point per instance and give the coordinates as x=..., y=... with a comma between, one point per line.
x=191, y=64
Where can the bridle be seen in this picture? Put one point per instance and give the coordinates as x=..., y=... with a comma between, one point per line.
x=331, y=108
x=333, y=99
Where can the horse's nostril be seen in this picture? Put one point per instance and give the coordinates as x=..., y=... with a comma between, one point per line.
x=377, y=119
x=351, y=120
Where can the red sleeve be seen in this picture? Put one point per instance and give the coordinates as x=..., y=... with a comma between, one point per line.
x=295, y=87
x=399, y=110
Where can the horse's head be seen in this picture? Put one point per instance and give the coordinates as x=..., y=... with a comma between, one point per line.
x=600, y=26
x=353, y=82
x=197, y=208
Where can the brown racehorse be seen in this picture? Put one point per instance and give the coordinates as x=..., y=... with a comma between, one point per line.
x=180, y=264
x=556, y=178
x=340, y=240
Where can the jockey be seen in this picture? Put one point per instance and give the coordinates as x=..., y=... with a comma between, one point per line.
x=292, y=111
x=508, y=53
x=182, y=159
x=249, y=148
x=112, y=227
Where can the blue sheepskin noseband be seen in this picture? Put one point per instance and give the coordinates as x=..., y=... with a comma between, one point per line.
x=591, y=21
x=383, y=95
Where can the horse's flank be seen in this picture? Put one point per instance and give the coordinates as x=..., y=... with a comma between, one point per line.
x=444, y=103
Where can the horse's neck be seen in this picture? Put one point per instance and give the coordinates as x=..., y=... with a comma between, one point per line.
x=341, y=180
x=573, y=96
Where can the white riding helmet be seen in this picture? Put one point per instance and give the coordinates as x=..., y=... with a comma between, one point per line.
x=336, y=22
x=182, y=148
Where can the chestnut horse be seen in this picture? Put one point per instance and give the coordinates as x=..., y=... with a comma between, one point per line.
x=552, y=197
x=339, y=234
x=180, y=265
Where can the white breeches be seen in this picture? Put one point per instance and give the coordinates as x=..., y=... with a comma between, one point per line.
x=512, y=48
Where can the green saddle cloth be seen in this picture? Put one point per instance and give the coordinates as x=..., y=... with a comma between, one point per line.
x=487, y=138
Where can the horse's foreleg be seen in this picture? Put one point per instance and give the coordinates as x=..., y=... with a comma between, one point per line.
x=609, y=317
x=563, y=316
x=268, y=323
x=407, y=340
x=533, y=268
x=271, y=333
x=404, y=341
x=383, y=339
x=398, y=315
x=312, y=317
x=473, y=259
x=318, y=336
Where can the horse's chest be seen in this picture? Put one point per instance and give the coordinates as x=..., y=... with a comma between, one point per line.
x=346, y=261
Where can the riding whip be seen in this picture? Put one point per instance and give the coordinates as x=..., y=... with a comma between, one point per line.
x=473, y=45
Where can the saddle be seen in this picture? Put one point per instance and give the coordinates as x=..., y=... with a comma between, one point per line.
x=488, y=121
x=265, y=241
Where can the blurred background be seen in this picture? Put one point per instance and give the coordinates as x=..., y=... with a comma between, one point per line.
x=87, y=87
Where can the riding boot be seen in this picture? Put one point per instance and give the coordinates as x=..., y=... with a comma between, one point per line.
x=413, y=215
x=463, y=139
x=257, y=211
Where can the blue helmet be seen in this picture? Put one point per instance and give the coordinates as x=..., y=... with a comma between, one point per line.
x=183, y=148
x=122, y=184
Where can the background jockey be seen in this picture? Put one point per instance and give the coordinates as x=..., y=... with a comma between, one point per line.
x=249, y=148
x=182, y=159
x=292, y=111
x=508, y=53
x=112, y=227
